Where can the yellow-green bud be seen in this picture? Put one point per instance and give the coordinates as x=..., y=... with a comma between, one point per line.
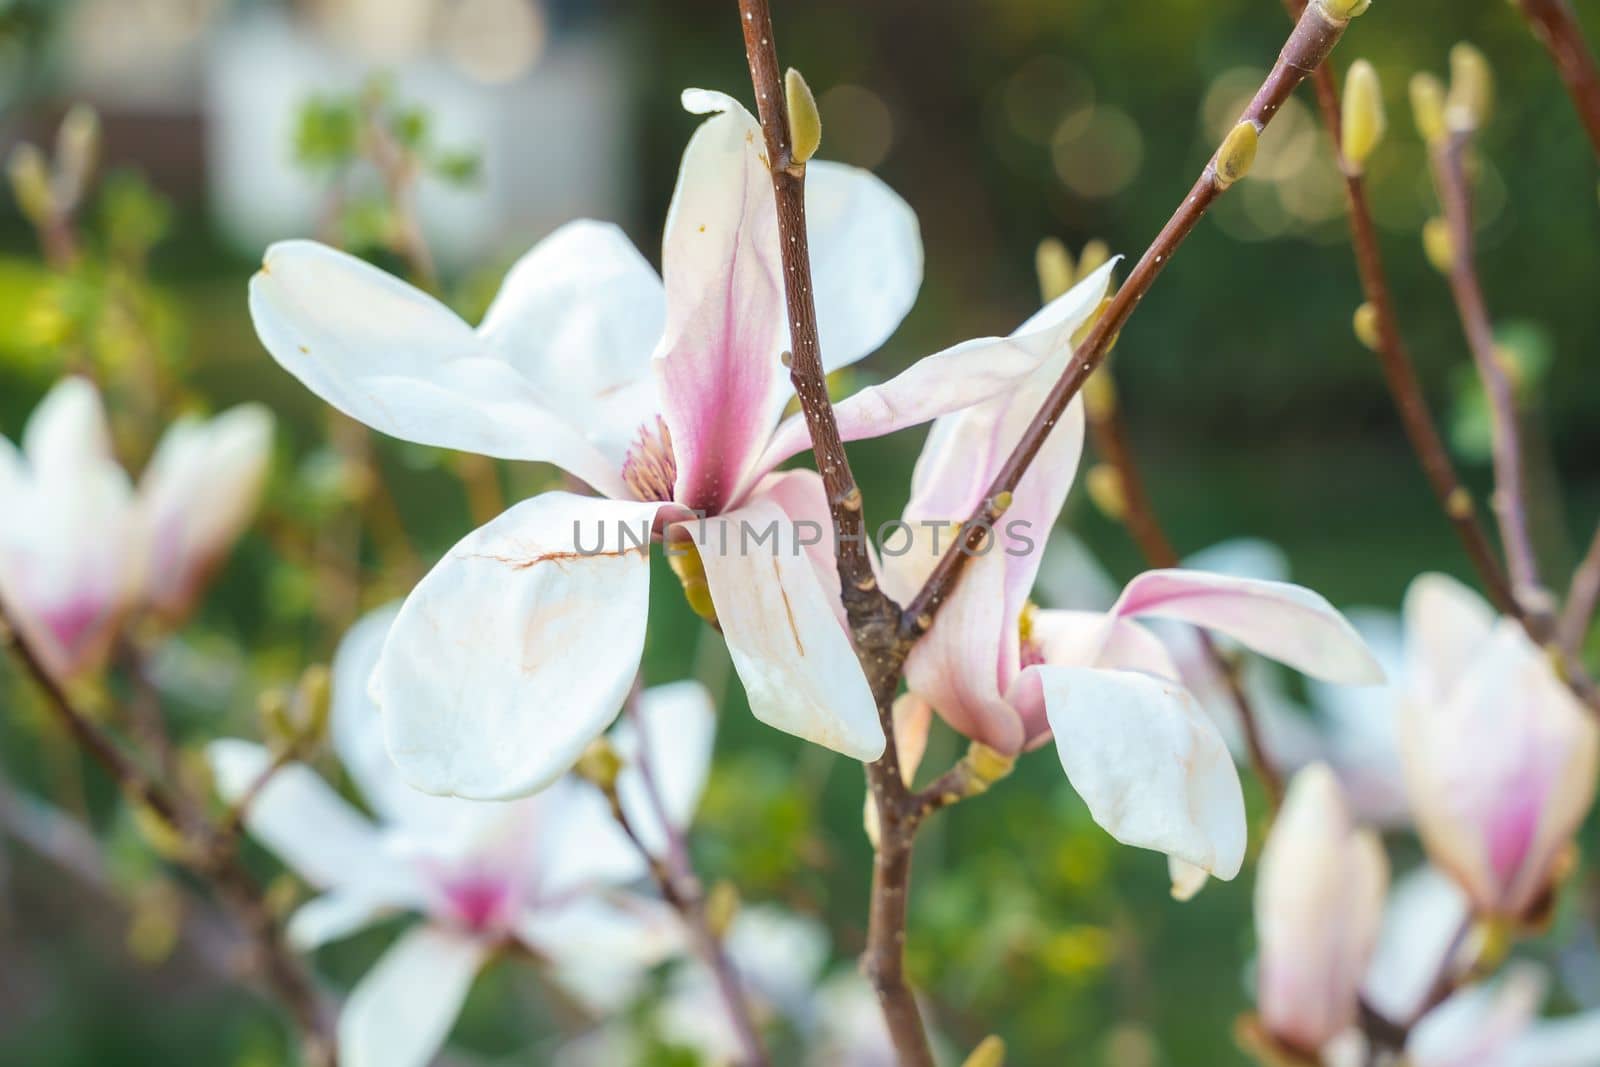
x=985, y=766
x=1100, y=395
x=722, y=907
x=1437, y=243
x=314, y=700
x=805, y=122
x=277, y=720
x=30, y=183
x=1427, y=106
x=1053, y=263
x=684, y=559
x=1364, y=121
x=1092, y=258
x=1471, y=88
x=599, y=764
x=1366, y=326
x=991, y=1052
x=77, y=148
x=1237, y=153
x=159, y=833
x=1344, y=10
x=1104, y=483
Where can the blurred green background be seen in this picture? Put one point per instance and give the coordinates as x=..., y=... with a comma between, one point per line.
x=1253, y=409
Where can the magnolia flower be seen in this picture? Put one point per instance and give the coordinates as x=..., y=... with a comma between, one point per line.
x=663, y=394
x=1500, y=758
x=545, y=872
x=1492, y=1024
x=1135, y=744
x=69, y=550
x=1319, y=903
x=196, y=497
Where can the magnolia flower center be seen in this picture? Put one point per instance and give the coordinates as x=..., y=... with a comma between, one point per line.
x=70, y=623
x=479, y=902
x=649, y=468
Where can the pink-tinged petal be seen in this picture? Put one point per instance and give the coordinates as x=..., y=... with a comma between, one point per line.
x=1484, y=1025
x=956, y=666
x=1500, y=773
x=1318, y=908
x=1288, y=623
x=68, y=573
x=309, y=826
x=1148, y=763
x=402, y=1010
x=866, y=259
x=518, y=648
x=197, y=495
x=393, y=357
x=718, y=361
x=1447, y=626
x=804, y=499
x=579, y=316
x=799, y=670
x=966, y=375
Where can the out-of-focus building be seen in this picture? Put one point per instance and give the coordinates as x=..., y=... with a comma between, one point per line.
x=203, y=95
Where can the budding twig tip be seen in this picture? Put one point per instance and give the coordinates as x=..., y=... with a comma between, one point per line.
x=1237, y=153
x=805, y=122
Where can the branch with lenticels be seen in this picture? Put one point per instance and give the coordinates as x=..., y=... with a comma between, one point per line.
x=884, y=634
x=1315, y=33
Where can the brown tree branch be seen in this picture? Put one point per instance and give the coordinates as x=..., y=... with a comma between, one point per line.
x=203, y=851
x=1447, y=155
x=1553, y=22
x=1313, y=38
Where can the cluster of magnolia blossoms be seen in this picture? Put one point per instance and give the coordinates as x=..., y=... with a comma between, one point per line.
x=551, y=874
x=96, y=551
x=665, y=396
x=1497, y=761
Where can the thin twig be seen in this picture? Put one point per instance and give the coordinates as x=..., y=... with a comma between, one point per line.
x=874, y=618
x=1582, y=596
x=1399, y=371
x=1553, y=22
x=1448, y=156
x=1313, y=38
x=680, y=888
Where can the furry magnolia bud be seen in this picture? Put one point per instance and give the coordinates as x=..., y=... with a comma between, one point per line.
x=1237, y=153
x=805, y=122
x=1471, y=95
x=1427, y=107
x=1438, y=244
x=1053, y=264
x=1364, y=121
x=30, y=182
x=1366, y=326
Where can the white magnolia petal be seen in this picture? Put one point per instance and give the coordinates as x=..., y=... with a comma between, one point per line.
x=1447, y=626
x=1482, y=1023
x=331, y=917
x=68, y=431
x=579, y=316
x=389, y=355
x=601, y=947
x=518, y=648
x=1423, y=914
x=1187, y=879
x=310, y=827
x=666, y=748
x=1288, y=623
x=866, y=259
x=1148, y=763
x=717, y=364
x=797, y=665
x=1571, y=1041
x=580, y=846
x=957, y=378
x=401, y=1011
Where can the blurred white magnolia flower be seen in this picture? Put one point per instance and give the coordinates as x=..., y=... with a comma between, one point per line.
x=666, y=396
x=1492, y=1024
x=1148, y=762
x=196, y=496
x=548, y=872
x=781, y=961
x=70, y=545
x=1500, y=758
x=1318, y=905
